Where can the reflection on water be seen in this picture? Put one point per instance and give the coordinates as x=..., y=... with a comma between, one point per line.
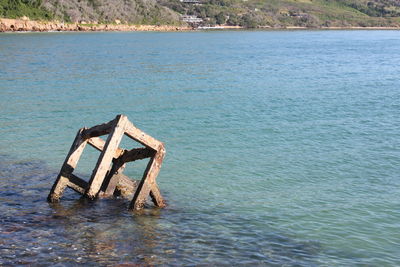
x=77, y=230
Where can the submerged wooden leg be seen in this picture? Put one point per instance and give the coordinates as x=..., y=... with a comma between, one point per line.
x=106, y=156
x=156, y=196
x=58, y=189
x=112, y=179
x=148, y=183
x=68, y=167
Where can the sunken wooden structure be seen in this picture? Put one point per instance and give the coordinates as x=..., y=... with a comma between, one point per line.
x=107, y=178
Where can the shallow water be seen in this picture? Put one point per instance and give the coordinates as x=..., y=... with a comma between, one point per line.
x=282, y=147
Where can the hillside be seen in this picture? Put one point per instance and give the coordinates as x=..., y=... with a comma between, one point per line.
x=91, y=11
x=246, y=13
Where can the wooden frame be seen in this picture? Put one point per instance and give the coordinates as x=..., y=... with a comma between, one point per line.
x=107, y=178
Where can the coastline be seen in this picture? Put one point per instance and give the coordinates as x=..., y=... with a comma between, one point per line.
x=342, y=28
x=21, y=25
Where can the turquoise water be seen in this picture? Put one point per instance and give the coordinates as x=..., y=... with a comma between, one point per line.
x=283, y=147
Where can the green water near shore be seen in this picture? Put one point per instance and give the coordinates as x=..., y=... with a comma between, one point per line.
x=282, y=147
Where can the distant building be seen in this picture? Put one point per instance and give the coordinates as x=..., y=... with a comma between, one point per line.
x=191, y=1
x=191, y=19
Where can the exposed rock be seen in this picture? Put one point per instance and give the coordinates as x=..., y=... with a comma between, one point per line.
x=12, y=25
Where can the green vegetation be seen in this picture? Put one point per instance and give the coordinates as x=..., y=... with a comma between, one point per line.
x=246, y=13
x=19, y=8
x=110, y=11
x=282, y=13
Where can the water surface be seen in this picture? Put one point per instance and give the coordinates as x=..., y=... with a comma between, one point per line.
x=282, y=147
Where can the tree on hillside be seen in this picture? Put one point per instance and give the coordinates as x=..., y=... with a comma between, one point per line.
x=220, y=18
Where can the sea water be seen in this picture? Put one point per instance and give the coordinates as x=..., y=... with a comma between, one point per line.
x=283, y=147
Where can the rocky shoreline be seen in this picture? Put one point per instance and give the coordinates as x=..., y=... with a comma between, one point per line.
x=24, y=25
x=20, y=25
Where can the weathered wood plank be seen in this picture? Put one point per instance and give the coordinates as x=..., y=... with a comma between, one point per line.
x=68, y=167
x=141, y=136
x=74, y=154
x=106, y=156
x=77, y=184
x=98, y=143
x=99, y=130
x=58, y=188
x=112, y=178
x=136, y=154
x=148, y=182
x=156, y=196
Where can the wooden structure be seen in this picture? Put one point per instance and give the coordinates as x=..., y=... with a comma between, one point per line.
x=107, y=178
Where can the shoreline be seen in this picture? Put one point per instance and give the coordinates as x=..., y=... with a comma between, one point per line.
x=21, y=25
x=343, y=28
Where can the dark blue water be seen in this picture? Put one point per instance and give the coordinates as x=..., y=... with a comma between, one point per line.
x=282, y=147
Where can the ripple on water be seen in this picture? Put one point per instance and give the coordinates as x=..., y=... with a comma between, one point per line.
x=77, y=231
x=282, y=147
